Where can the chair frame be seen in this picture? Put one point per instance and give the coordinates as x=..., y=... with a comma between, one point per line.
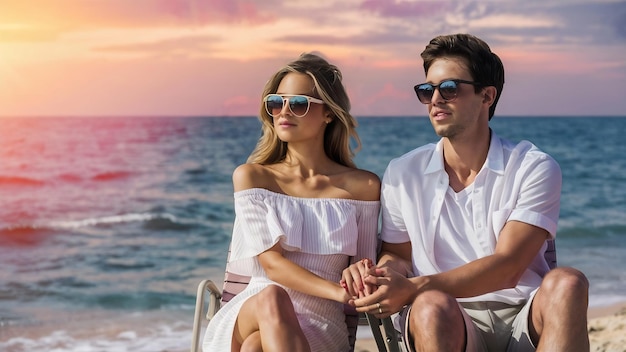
x=214, y=305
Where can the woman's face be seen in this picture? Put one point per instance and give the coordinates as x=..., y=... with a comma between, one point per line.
x=290, y=125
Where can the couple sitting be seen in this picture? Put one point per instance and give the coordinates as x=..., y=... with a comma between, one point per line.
x=464, y=223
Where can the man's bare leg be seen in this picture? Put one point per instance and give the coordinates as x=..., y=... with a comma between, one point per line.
x=559, y=312
x=436, y=323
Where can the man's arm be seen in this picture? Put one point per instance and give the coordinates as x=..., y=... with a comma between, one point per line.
x=396, y=256
x=518, y=244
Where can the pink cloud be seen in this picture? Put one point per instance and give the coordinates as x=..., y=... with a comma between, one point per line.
x=384, y=101
x=69, y=15
x=241, y=105
x=212, y=11
x=194, y=44
x=389, y=90
x=394, y=64
x=404, y=8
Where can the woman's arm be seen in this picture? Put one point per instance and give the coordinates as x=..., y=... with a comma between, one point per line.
x=287, y=273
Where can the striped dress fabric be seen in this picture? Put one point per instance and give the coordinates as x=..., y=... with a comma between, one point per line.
x=323, y=235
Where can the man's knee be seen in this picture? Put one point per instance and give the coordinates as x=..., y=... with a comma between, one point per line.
x=436, y=322
x=434, y=306
x=563, y=283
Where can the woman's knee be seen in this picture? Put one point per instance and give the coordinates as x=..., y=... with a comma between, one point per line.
x=274, y=301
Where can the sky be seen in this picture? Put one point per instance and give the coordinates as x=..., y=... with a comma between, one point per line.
x=213, y=57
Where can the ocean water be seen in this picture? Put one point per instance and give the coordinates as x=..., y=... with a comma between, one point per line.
x=107, y=225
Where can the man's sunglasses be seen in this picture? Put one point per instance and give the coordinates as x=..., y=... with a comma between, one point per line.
x=448, y=89
x=298, y=104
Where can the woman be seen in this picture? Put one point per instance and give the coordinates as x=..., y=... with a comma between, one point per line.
x=304, y=212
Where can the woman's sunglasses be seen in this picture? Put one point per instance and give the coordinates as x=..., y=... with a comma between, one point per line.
x=298, y=104
x=448, y=89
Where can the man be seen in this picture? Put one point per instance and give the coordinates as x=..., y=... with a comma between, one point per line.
x=465, y=223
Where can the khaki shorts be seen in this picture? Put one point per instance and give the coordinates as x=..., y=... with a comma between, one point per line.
x=490, y=326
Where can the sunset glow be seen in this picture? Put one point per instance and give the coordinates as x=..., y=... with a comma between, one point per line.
x=204, y=58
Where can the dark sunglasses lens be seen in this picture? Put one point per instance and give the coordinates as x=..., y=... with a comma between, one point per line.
x=274, y=104
x=448, y=89
x=424, y=92
x=299, y=105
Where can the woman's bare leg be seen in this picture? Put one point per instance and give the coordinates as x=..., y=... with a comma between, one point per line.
x=269, y=313
x=252, y=343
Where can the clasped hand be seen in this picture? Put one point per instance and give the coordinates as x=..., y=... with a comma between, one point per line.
x=377, y=291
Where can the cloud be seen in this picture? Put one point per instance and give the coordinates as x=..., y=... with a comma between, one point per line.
x=554, y=22
x=514, y=21
x=198, y=45
x=240, y=105
x=380, y=38
x=47, y=19
x=403, y=9
x=15, y=32
x=216, y=11
x=620, y=25
x=384, y=100
x=193, y=56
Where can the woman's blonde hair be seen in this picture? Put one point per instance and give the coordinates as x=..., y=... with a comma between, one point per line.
x=328, y=87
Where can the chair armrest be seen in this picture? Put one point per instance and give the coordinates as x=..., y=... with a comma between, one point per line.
x=214, y=299
x=214, y=306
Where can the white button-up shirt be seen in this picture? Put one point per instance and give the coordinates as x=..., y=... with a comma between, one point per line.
x=517, y=182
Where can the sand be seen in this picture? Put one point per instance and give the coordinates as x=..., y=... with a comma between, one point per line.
x=607, y=331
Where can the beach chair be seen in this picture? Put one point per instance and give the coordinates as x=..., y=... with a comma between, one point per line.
x=388, y=339
x=233, y=284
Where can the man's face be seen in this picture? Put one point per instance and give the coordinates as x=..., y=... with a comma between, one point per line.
x=452, y=117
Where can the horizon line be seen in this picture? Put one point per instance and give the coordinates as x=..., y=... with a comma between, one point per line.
x=255, y=116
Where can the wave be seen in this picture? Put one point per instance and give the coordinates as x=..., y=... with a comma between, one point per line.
x=111, y=176
x=19, y=181
x=83, y=331
x=593, y=233
x=150, y=220
x=23, y=181
x=110, y=220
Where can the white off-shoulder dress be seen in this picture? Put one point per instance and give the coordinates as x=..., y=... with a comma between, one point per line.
x=323, y=235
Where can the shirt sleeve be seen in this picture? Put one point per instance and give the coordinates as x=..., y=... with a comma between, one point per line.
x=393, y=228
x=538, y=201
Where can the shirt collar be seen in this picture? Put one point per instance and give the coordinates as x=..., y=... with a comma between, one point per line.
x=494, y=162
x=495, y=157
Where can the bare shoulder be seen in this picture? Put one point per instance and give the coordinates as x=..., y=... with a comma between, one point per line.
x=363, y=185
x=247, y=176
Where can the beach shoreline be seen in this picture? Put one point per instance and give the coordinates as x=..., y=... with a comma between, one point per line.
x=171, y=331
x=606, y=327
